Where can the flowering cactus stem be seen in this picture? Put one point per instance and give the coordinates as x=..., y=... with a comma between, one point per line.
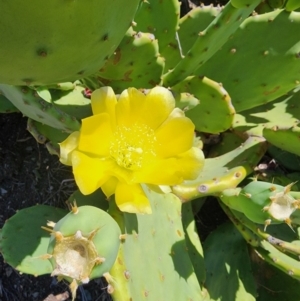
x=223, y=172
x=141, y=149
x=209, y=42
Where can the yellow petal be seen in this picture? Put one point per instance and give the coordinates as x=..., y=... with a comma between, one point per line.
x=190, y=163
x=66, y=148
x=132, y=199
x=90, y=173
x=109, y=187
x=172, y=171
x=159, y=172
x=96, y=135
x=151, y=109
x=129, y=106
x=104, y=100
x=158, y=105
x=175, y=136
x=122, y=174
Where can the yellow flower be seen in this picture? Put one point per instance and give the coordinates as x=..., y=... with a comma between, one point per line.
x=133, y=139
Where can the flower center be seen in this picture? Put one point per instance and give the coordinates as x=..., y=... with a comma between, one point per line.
x=132, y=146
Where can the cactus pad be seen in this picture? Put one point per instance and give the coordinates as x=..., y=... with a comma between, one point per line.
x=24, y=242
x=259, y=54
x=32, y=105
x=226, y=257
x=59, y=40
x=215, y=112
x=149, y=251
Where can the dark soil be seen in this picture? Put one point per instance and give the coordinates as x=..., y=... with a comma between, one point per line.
x=30, y=175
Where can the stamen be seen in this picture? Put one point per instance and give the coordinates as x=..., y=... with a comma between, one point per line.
x=132, y=145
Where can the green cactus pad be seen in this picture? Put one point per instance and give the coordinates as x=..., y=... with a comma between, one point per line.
x=228, y=266
x=282, y=112
x=292, y=5
x=136, y=62
x=32, y=105
x=96, y=199
x=190, y=25
x=255, y=50
x=192, y=240
x=6, y=106
x=24, y=242
x=157, y=266
x=91, y=237
x=223, y=172
x=162, y=28
x=72, y=101
x=43, y=133
x=59, y=41
x=241, y=3
x=215, y=112
x=262, y=202
x=284, y=138
x=284, y=158
x=229, y=142
x=208, y=42
x=194, y=22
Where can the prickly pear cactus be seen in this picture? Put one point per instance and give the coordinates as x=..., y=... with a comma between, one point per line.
x=58, y=41
x=216, y=61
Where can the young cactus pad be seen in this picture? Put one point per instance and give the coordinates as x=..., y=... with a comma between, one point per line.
x=84, y=245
